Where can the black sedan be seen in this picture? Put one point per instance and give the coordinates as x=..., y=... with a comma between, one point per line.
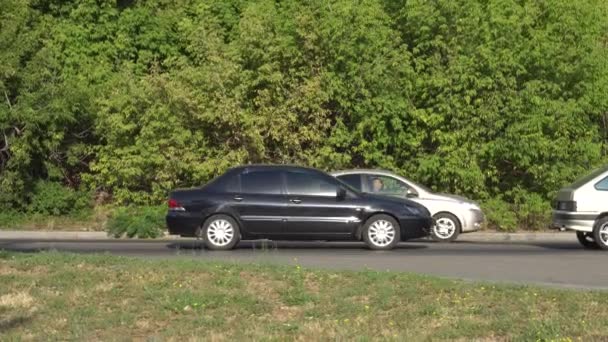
x=291, y=203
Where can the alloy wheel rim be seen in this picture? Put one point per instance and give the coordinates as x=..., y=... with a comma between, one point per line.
x=604, y=234
x=220, y=232
x=381, y=233
x=444, y=228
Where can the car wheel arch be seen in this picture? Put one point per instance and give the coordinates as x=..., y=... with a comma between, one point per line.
x=458, y=219
x=601, y=216
x=215, y=213
x=359, y=231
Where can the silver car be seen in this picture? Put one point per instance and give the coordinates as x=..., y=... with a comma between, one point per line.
x=453, y=214
x=583, y=207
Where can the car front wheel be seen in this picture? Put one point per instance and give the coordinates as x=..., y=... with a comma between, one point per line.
x=381, y=232
x=220, y=232
x=446, y=228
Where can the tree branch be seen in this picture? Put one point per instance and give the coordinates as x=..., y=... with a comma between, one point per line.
x=5, y=148
x=10, y=106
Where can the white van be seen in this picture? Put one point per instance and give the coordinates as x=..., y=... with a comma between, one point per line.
x=583, y=207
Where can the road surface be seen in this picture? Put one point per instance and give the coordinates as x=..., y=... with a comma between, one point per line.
x=561, y=264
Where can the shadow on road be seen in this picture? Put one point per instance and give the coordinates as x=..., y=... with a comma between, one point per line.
x=556, y=245
x=273, y=245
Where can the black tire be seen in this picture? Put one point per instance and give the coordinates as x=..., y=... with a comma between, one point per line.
x=587, y=240
x=435, y=235
x=600, y=233
x=381, y=220
x=219, y=221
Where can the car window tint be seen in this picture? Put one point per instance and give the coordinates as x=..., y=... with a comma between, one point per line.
x=261, y=182
x=226, y=183
x=352, y=180
x=386, y=185
x=602, y=185
x=307, y=184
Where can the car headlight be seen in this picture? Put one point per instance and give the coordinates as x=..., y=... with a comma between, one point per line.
x=472, y=206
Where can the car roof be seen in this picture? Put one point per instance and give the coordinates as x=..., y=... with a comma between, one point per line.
x=587, y=178
x=368, y=171
x=284, y=167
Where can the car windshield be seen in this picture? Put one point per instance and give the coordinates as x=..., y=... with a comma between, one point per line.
x=588, y=177
x=420, y=186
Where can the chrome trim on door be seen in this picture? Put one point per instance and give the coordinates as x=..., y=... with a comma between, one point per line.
x=351, y=219
x=262, y=218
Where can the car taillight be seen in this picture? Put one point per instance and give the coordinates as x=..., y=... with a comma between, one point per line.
x=175, y=205
x=566, y=205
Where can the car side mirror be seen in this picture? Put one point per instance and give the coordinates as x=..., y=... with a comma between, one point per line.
x=341, y=193
x=411, y=194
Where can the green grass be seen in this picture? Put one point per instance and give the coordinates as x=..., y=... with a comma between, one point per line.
x=84, y=220
x=97, y=297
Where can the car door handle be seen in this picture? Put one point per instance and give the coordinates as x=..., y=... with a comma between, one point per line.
x=238, y=198
x=295, y=200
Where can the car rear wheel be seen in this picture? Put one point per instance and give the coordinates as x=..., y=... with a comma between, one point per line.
x=446, y=228
x=600, y=233
x=587, y=240
x=381, y=232
x=220, y=232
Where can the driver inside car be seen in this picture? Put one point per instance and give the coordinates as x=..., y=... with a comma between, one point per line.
x=377, y=185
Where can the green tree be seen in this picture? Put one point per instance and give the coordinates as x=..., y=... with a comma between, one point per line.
x=501, y=100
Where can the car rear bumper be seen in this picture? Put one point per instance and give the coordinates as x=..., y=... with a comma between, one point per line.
x=573, y=220
x=182, y=223
x=415, y=227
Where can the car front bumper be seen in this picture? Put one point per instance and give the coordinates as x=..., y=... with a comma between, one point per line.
x=415, y=227
x=473, y=220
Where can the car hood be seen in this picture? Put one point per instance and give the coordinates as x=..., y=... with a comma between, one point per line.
x=448, y=197
x=396, y=200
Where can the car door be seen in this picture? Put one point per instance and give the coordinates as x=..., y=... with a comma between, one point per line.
x=315, y=210
x=352, y=179
x=261, y=202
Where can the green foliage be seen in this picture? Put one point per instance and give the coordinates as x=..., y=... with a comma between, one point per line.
x=503, y=101
x=529, y=211
x=10, y=218
x=500, y=215
x=51, y=198
x=533, y=211
x=142, y=222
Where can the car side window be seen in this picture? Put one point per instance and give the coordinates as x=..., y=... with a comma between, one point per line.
x=227, y=183
x=386, y=185
x=602, y=185
x=352, y=180
x=308, y=184
x=261, y=182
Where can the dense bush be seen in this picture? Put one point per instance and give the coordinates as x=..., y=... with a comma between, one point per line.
x=500, y=214
x=503, y=101
x=142, y=222
x=51, y=198
x=10, y=218
x=528, y=211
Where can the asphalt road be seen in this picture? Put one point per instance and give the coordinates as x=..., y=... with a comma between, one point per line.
x=561, y=264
